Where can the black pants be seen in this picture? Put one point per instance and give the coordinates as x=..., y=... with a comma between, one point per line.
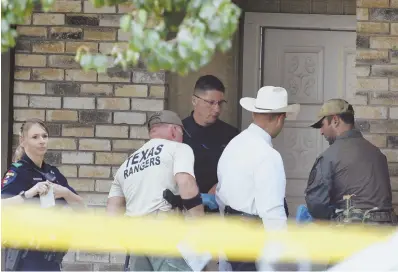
x=243, y=266
x=237, y=265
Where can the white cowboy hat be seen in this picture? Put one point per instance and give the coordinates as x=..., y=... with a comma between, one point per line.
x=269, y=99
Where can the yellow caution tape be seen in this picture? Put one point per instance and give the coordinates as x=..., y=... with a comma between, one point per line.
x=30, y=227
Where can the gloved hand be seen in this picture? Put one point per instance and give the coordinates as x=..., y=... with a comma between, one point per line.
x=209, y=200
x=303, y=215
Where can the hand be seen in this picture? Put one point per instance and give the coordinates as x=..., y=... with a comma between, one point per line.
x=60, y=191
x=40, y=188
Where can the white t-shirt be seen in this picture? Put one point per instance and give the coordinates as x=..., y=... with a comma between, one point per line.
x=143, y=177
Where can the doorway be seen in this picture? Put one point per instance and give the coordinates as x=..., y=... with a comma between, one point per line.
x=313, y=58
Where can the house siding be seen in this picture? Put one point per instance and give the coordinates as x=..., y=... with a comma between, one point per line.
x=377, y=78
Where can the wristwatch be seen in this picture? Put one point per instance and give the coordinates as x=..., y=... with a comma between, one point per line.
x=22, y=194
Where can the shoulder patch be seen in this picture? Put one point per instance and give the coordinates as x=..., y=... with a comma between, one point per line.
x=8, y=178
x=313, y=171
x=17, y=164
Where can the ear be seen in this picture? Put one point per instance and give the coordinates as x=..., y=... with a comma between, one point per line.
x=173, y=132
x=194, y=101
x=335, y=121
x=21, y=141
x=281, y=117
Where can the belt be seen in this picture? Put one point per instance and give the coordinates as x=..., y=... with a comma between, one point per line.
x=381, y=216
x=230, y=211
x=377, y=216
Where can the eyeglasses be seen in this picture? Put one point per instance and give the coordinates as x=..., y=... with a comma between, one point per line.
x=212, y=103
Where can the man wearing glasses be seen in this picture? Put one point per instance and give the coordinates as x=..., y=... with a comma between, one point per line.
x=205, y=133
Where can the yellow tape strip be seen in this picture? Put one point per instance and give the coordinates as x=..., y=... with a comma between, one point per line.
x=30, y=227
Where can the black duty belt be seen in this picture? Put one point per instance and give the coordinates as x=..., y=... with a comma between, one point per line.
x=383, y=216
x=378, y=216
x=230, y=211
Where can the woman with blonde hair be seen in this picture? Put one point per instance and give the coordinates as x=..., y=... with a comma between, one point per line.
x=28, y=178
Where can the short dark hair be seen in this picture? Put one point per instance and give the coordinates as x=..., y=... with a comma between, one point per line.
x=347, y=117
x=208, y=83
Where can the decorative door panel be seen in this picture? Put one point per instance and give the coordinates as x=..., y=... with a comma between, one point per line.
x=302, y=72
x=295, y=187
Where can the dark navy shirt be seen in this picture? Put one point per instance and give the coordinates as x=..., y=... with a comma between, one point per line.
x=22, y=176
x=208, y=144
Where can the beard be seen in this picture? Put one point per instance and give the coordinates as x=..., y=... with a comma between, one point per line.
x=330, y=140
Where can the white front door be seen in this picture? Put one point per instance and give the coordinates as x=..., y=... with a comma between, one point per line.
x=313, y=66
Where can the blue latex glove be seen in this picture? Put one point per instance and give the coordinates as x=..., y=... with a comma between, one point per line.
x=209, y=200
x=303, y=215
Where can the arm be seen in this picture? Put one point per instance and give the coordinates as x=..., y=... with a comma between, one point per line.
x=270, y=186
x=73, y=199
x=317, y=193
x=116, y=204
x=213, y=189
x=39, y=188
x=188, y=189
x=183, y=170
x=65, y=191
x=14, y=200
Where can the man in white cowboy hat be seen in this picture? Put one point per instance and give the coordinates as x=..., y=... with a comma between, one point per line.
x=251, y=174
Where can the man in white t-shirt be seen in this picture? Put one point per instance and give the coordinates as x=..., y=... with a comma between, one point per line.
x=164, y=162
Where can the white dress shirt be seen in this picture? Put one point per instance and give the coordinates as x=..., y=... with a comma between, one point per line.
x=251, y=177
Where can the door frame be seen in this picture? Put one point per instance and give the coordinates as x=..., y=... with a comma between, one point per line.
x=254, y=25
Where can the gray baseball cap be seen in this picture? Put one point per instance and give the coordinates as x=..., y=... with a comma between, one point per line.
x=164, y=117
x=332, y=107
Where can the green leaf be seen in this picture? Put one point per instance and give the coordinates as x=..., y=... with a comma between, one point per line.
x=125, y=23
x=4, y=26
x=174, y=35
x=142, y=17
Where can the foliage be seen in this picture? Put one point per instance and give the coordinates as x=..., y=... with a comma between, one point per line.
x=14, y=12
x=174, y=35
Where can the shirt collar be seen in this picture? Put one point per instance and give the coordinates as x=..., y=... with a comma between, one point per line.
x=352, y=133
x=195, y=125
x=260, y=132
x=26, y=158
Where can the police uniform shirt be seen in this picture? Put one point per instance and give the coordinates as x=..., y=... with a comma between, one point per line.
x=24, y=174
x=150, y=170
x=207, y=143
x=252, y=178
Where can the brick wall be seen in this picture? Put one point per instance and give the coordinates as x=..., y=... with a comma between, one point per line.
x=95, y=120
x=377, y=70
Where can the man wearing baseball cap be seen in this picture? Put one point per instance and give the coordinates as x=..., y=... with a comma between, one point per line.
x=350, y=166
x=162, y=163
